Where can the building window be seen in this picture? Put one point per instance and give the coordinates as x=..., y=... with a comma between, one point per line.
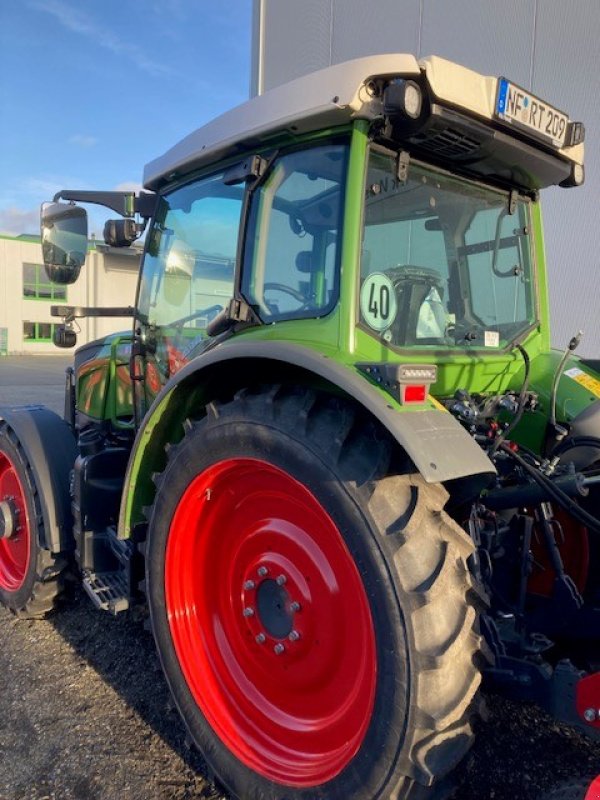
x=38, y=331
x=38, y=286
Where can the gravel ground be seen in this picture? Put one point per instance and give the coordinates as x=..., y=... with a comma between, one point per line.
x=85, y=713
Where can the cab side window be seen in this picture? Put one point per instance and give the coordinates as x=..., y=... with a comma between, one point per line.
x=291, y=263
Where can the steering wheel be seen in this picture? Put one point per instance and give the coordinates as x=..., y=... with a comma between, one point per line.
x=281, y=287
x=209, y=312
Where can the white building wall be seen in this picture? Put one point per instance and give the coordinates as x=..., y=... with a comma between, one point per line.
x=547, y=46
x=106, y=279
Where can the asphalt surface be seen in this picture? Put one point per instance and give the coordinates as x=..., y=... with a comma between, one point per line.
x=85, y=712
x=34, y=379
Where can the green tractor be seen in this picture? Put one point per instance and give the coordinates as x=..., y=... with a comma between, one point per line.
x=335, y=459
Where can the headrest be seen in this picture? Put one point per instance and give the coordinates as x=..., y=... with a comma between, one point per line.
x=304, y=261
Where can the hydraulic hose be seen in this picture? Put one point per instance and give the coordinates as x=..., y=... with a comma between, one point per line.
x=573, y=344
x=522, y=397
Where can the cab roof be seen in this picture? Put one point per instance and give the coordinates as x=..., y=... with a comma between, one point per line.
x=330, y=97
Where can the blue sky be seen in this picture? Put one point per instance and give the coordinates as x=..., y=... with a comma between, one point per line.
x=91, y=91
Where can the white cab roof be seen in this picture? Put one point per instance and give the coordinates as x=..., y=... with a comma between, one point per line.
x=326, y=98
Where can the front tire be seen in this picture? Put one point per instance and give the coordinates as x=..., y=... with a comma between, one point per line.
x=313, y=611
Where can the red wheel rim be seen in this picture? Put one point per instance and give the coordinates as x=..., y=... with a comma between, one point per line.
x=270, y=622
x=14, y=550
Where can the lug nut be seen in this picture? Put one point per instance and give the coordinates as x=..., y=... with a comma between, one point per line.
x=590, y=715
x=261, y=638
x=281, y=580
x=248, y=612
x=295, y=606
x=279, y=649
x=249, y=585
x=262, y=571
x=294, y=636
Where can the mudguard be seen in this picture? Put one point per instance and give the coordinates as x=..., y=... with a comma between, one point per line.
x=51, y=450
x=439, y=446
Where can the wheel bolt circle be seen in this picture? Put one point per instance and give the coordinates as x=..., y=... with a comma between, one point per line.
x=281, y=580
x=293, y=636
x=262, y=571
x=590, y=715
x=295, y=605
x=248, y=612
x=249, y=585
x=261, y=638
x=279, y=649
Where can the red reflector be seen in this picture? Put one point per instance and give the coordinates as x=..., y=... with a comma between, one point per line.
x=414, y=394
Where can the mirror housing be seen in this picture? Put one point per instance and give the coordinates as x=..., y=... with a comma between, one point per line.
x=64, y=240
x=121, y=232
x=64, y=336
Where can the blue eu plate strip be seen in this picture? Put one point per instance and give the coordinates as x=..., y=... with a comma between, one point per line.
x=502, y=92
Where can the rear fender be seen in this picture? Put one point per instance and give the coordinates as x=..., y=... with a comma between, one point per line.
x=439, y=446
x=51, y=450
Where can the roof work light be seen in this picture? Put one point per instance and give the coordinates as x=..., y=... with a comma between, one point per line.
x=404, y=97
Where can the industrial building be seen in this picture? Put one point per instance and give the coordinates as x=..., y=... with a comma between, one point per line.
x=108, y=278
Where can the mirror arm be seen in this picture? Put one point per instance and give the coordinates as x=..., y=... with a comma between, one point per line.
x=69, y=313
x=127, y=204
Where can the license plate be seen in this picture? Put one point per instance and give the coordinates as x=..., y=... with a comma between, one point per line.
x=527, y=112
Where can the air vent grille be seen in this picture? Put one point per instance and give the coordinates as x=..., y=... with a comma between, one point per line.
x=447, y=142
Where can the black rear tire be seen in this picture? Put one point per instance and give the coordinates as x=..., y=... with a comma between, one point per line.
x=574, y=790
x=412, y=562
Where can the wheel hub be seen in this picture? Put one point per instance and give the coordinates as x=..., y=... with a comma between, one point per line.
x=14, y=527
x=271, y=608
x=8, y=518
x=272, y=603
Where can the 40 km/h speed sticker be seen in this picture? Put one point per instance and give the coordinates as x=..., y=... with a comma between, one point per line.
x=378, y=306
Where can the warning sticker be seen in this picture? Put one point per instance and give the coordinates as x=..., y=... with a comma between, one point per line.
x=378, y=306
x=588, y=381
x=491, y=339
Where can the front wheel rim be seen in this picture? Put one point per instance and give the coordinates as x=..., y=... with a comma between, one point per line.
x=14, y=542
x=270, y=622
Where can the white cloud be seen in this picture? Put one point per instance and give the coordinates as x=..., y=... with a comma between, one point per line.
x=14, y=221
x=78, y=21
x=81, y=140
x=128, y=186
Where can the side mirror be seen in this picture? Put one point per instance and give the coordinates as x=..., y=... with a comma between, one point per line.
x=64, y=240
x=64, y=336
x=121, y=232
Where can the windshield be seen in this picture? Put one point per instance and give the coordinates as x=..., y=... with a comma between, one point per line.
x=187, y=276
x=443, y=262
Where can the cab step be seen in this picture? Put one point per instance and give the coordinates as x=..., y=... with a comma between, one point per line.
x=108, y=591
